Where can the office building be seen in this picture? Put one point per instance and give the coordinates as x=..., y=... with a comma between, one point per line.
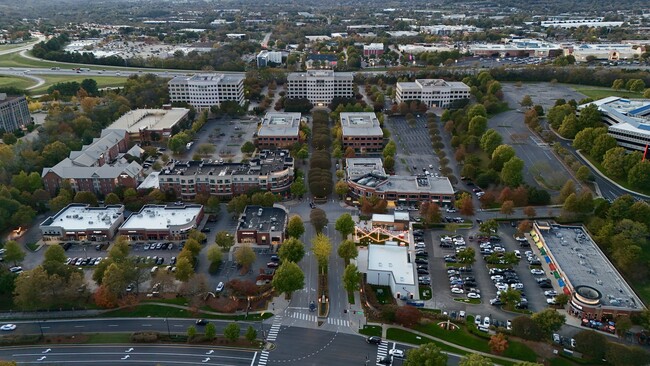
x=158, y=222
x=262, y=225
x=320, y=86
x=266, y=58
x=376, y=49
x=517, y=48
x=432, y=92
x=80, y=222
x=14, y=113
x=278, y=130
x=203, y=91
x=361, y=131
x=151, y=124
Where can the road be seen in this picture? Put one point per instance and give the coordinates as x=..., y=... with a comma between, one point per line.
x=265, y=41
x=126, y=354
x=26, y=46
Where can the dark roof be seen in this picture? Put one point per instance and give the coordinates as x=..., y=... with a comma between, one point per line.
x=322, y=57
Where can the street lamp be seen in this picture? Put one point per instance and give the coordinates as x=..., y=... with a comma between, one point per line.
x=169, y=333
x=41, y=328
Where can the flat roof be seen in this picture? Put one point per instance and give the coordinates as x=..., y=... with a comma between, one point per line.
x=280, y=124
x=158, y=217
x=150, y=119
x=583, y=264
x=360, y=124
x=209, y=79
x=631, y=115
x=358, y=167
x=383, y=217
x=265, y=163
x=81, y=217
x=320, y=74
x=271, y=219
x=391, y=258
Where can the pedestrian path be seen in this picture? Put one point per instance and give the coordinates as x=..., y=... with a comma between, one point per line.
x=341, y=322
x=264, y=358
x=275, y=328
x=382, y=351
x=303, y=316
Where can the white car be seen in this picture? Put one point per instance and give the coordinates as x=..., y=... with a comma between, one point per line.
x=499, y=249
x=477, y=320
x=8, y=327
x=486, y=321
x=537, y=271
x=461, y=314
x=451, y=210
x=501, y=286
x=508, y=325
x=551, y=293
x=457, y=290
x=473, y=295
x=497, y=278
x=396, y=352
x=551, y=301
x=220, y=287
x=517, y=253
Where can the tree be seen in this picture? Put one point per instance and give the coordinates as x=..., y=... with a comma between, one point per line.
x=426, y=355
x=567, y=189
x=477, y=126
x=248, y=147
x=475, y=359
x=292, y=250
x=238, y=203
x=245, y=256
x=288, y=278
x=489, y=227
x=345, y=225
x=466, y=256
x=465, y=204
x=507, y=208
x=562, y=299
x=639, y=175
x=341, y=188
x=298, y=188
x=430, y=213
x=407, y=315
x=347, y=250
x=191, y=332
x=510, y=298
x=490, y=140
x=591, y=344
x=224, y=240
x=530, y=212
x=583, y=174
x=498, y=343
x=112, y=199
x=251, y=334
x=231, y=332
x=501, y=155
x=549, y=321
x=86, y=197
x=618, y=84
x=295, y=227
x=351, y=278
x=524, y=327
x=184, y=269
x=526, y=101
x=318, y=218
x=210, y=331
x=620, y=355
x=215, y=254
x=322, y=248
x=13, y=252
x=512, y=172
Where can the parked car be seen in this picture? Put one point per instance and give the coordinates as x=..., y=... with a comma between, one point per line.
x=220, y=287
x=455, y=290
x=396, y=352
x=473, y=295
x=537, y=271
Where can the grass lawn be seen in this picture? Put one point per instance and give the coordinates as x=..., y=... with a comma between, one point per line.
x=371, y=330
x=20, y=83
x=469, y=301
x=596, y=93
x=158, y=311
x=109, y=338
x=16, y=60
x=382, y=293
x=425, y=293
x=621, y=182
x=102, y=81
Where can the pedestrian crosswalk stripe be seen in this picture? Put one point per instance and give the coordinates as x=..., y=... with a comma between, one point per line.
x=341, y=322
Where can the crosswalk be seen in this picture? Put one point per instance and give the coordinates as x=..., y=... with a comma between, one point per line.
x=303, y=316
x=275, y=328
x=264, y=357
x=341, y=322
x=382, y=351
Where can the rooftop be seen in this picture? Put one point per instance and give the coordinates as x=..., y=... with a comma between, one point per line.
x=280, y=124
x=583, y=264
x=264, y=219
x=208, y=79
x=158, y=217
x=90, y=154
x=268, y=161
x=81, y=217
x=320, y=74
x=630, y=114
x=391, y=258
x=68, y=169
x=359, y=167
x=150, y=119
x=360, y=124
x=407, y=184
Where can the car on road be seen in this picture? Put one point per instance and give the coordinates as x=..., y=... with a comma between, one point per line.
x=8, y=327
x=374, y=340
x=16, y=269
x=396, y=352
x=220, y=287
x=275, y=258
x=451, y=210
x=201, y=322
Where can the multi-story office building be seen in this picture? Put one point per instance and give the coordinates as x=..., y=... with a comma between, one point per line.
x=432, y=92
x=320, y=86
x=376, y=49
x=361, y=131
x=265, y=58
x=269, y=171
x=278, y=130
x=202, y=91
x=147, y=124
x=14, y=113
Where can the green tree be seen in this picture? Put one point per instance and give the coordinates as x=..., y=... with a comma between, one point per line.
x=85, y=197
x=351, y=278
x=526, y=101
x=232, y=331
x=618, y=84
x=512, y=172
x=184, y=269
x=288, y=278
x=621, y=355
x=298, y=188
x=510, y=298
x=112, y=199
x=345, y=225
x=636, y=85
x=13, y=252
x=488, y=227
x=245, y=256
x=646, y=93
x=248, y=147
x=215, y=254
x=224, y=240
x=501, y=155
x=251, y=334
x=548, y=321
x=601, y=145
x=477, y=126
x=318, y=218
x=427, y=354
x=191, y=332
x=292, y=250
x=295, y=227
x=490, y=140
x=178, y=142
x=341, y=188
x=583, y=174
x=569, y=127
x=475, y=359
x=639, y=175
x=210, y=331
x=347, y=250
x=322, y=248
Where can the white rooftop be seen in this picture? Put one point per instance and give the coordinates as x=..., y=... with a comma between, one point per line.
x=360, y=124
x=150, y=119
x=383, y=217
x=391, y=258
x=153, y=217
x=80, y=217
x=280, y=124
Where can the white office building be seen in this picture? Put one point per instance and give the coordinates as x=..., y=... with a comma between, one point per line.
x=388, y=265
x=265, y=58
x=202, y=91
x=628, y=120
x=432, y=92
x=320, y=86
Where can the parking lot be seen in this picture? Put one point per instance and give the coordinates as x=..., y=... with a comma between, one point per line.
x=414, y=148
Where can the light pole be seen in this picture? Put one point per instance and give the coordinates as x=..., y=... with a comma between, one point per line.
x=169, y=333
x=41, y=328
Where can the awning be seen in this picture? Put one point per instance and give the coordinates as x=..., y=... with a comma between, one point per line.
x=547, y=259
x=540, y=246
x=566, y=290
x=532, y=233
x=390, y=204
x=542, y=251
x=561, y=282
x=556, y=275
x=552, y=266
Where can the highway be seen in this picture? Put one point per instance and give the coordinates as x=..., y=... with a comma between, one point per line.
x=119, y=325
x=128, y=354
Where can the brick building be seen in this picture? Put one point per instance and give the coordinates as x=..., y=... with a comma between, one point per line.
x=262, y=225
x=82, y=222
x=278, y=130
x=361, y=131
x=159, y=222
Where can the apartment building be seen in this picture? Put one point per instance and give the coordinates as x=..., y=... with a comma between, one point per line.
x=14, y=113
x=271, y=170
x=202, y=91
x=98, y=167
x=278, y=130
x=361, y=131
x=320, y=86
x=432, y=92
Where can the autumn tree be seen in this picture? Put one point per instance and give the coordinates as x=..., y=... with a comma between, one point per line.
x=507, y=208
x=498, y=343
x=407, y=315
x=322, y=248
x=292, y=250
x=475, y=359
x=295, y=227
x=245, y=256
x=465, y=204
x=224, y=240
x=430, y=213
x=345, y=225
x=530, y=212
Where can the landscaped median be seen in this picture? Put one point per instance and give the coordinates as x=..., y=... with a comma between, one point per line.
x=163, y=310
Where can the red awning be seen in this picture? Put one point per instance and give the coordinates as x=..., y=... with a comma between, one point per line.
x=552, y=267
x=566, y=290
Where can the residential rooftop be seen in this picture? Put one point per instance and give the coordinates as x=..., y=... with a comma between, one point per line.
x=391, y=258
x=583, y=264
x=264, y=219
x=360, y=124
x=158, y=217
x=77, y=217
x=280, y=124
x=150, y=119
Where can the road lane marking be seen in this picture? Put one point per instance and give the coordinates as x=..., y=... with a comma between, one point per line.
x=146, y=325
x=112, y=325
x=254, y=357
x=79, y=326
